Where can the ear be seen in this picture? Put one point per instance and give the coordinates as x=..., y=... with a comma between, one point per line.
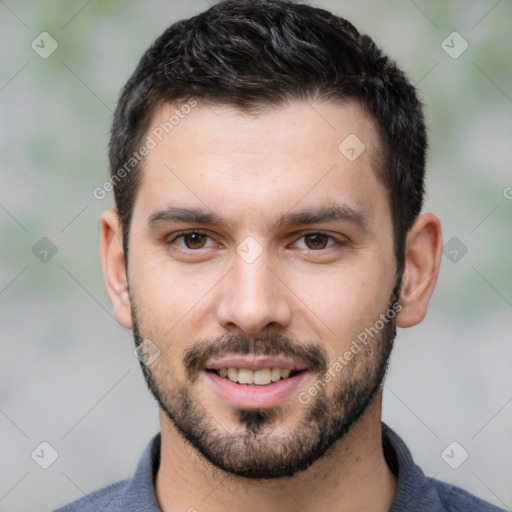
x=423, y=251
x=114, y=271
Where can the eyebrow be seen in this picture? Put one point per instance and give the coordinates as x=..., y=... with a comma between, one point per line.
x=332, y=213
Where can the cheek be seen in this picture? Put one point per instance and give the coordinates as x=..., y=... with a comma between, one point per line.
x=339, y=302
x=343, y=303
x=167, y=296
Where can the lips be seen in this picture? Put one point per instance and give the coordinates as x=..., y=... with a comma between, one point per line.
x=254, y=382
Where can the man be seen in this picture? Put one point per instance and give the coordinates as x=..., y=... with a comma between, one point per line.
x=268, y=169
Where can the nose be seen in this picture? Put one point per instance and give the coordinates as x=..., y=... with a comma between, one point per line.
x=253, y=299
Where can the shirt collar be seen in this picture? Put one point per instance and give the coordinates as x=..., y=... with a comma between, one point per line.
x=140, y=493
x=414, y=491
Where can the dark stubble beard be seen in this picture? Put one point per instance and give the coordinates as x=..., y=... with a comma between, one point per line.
x=252, y=451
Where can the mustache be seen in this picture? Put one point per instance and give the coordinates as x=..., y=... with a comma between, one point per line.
x=197, y=356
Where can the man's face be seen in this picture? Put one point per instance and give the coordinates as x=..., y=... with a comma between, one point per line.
x=256, y=243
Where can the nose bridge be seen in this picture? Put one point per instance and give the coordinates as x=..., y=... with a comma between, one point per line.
x=252, y=298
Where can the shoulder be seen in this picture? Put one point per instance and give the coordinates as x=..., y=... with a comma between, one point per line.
x=136, y=493
x=107, y=499
x=455, y=499
x=418, y=493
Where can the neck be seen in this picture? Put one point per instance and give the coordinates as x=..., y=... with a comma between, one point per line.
x=351, y=476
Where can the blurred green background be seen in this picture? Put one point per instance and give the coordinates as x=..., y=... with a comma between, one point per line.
x=68, y=375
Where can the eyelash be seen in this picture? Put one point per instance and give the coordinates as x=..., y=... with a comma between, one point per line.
x=181, y=234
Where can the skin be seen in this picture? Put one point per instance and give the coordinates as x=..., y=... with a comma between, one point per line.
x=250, y=170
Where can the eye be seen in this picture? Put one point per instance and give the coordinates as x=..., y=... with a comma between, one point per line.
x=316, y=241
x=192, y=240
x=196, y=240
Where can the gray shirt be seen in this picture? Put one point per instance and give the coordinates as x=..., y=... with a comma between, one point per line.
x=415, y=491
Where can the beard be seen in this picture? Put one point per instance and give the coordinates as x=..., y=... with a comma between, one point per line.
x=259, y=447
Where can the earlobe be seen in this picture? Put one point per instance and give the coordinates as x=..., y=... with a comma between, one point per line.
x=113, y=263
x=422, y=260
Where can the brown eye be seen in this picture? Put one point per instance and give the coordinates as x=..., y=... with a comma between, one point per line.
x=191, y=244
x=316, y=241
x=194, y=240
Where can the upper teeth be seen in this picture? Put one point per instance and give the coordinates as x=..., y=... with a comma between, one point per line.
x=259, y=377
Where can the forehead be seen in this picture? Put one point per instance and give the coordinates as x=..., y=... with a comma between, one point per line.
x=253, y=167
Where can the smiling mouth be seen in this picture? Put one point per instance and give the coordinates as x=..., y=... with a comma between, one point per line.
x=262, y=377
